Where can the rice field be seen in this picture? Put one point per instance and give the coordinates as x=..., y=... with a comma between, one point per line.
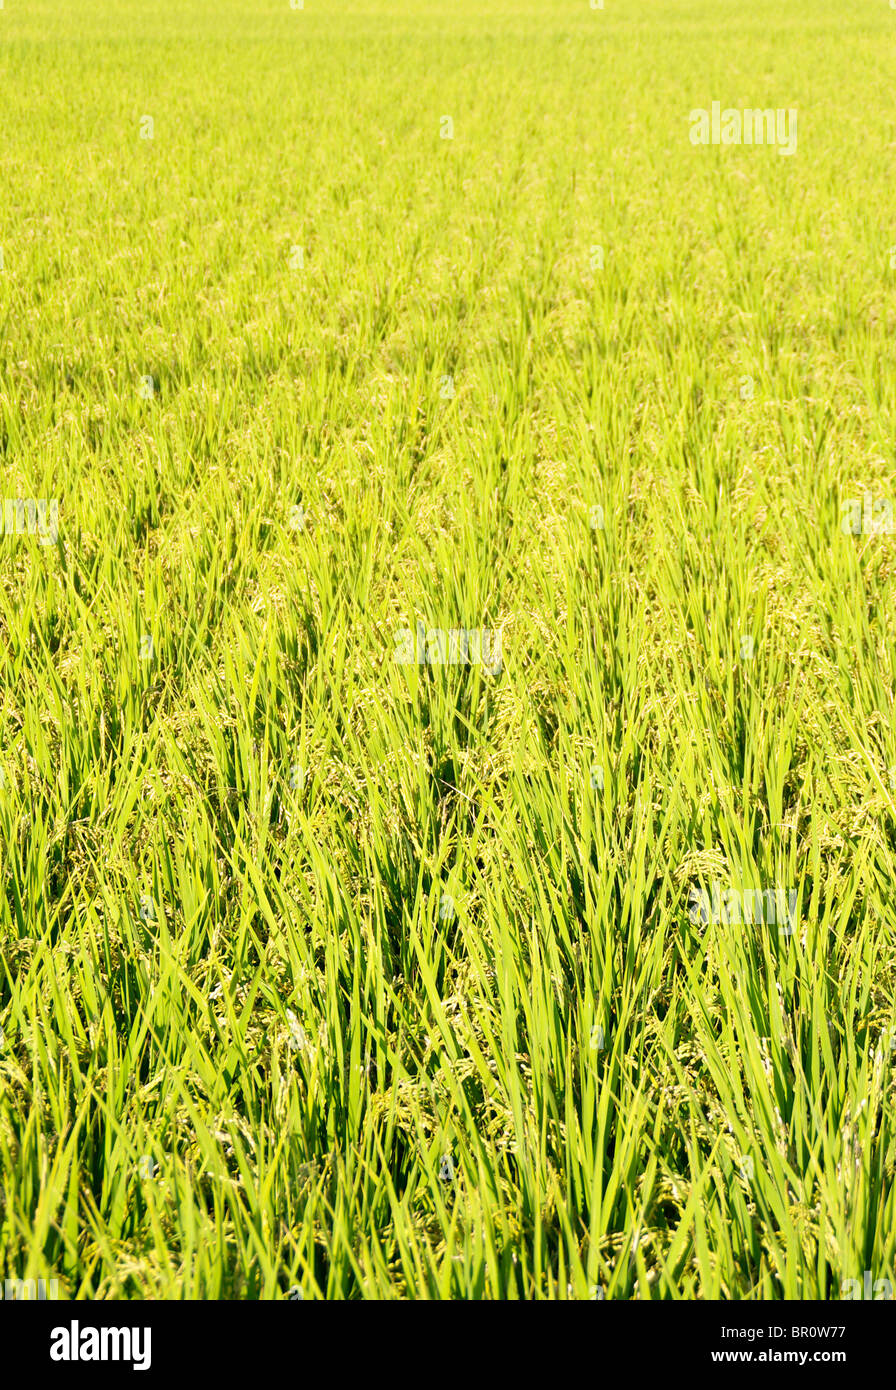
x=447, y=643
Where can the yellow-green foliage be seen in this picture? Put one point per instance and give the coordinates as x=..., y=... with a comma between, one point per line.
x=326, y=970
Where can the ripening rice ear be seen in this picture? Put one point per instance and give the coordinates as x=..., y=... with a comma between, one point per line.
x=404, y=647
